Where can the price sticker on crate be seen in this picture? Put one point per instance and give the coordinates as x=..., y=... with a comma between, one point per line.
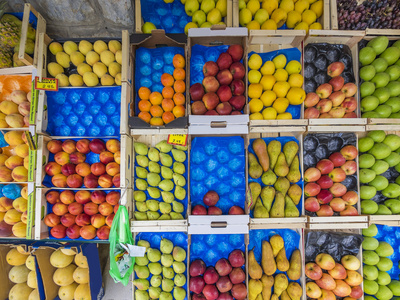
x=177, y=139
x=46, y=84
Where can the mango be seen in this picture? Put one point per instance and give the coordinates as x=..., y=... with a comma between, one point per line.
x=8, y=107
x=54, y=69
x=63, y=59
x=22, y=150
x=55, y=47
x=3, y=123
x=85, y=46
x=99, y=46
x=75, y=80
x=5, y=174
x=114, y=68
x=20, y=174
x=90, y=79
x=63, y=80
x=15, y=120
x=83, y=68
x=77, y=58
x=92, y=58
x=13, y=138
x=70, y=47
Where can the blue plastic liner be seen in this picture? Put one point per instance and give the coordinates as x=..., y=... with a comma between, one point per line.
x=218, y=164
x=184, y=201
x=212, y=247
x=283, y=140
x=168, y=16
x=291, y=54
x=11, y=191
x=20, y=15
x=177, y=238
x=290, y=237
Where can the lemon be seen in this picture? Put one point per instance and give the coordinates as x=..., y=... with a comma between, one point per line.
x=254, y=76
x=268, y=68
x=256, y=116
x=269, y=113
x=316, y=26
x=301, y=5
x=279, y=16
x=253, y=25
x=268, y=97
x=296, y=80
x=279, y=61
x=255, y=61
x=242, y=4
x=293, y=18
x=255, y=90
x=267, y=82
x=296, y=95
x=261, y=16
x=190, y=25
x=270, y=5
x=284, y=116
x=287, y=5
x=245, y=17
x=253, y=6
x=318, y=8
x=281, y=75
x=293, y=67
x=269, y=25
x=302, y=26
x=280, y=105
x=311, y=1
x=308, y=16
x=281, y=88
x=256, y=105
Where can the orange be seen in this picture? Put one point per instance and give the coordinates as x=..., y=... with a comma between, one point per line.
x=145, y=116
x=156, y=121
x=155, y=98
x=167, y=104
x=179, y=99
x=167, y=79
x=144, y=105
x=156, y=111
x=179, y=111
x=168, y=117
x=179, y=86
x=144, y=93
x=179, y=74
x=168, y=92
x=178, y=61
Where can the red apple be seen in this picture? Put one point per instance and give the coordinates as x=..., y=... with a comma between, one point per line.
x=210, y=292
x=324, y=105
x=196, y=284
x=311, y=113
x=197, y=268
x=349, y=211
x=236, y=52
x=342, y=289
x=356, y=292
x=337, y=159
x=224, y=284
x=237, y=102
x=349, y=152
x=237, y=276
x=210, y=84
x=210, y=100
x=239, y=291
x=311, y=204
x=212, y=112
x=199, y=210
x=325, y=166
x=324, y=196
x=337, y=204
x=338, y=272
x=313, y=271
x=311, y=100
x=312, y=189
x=224, y=77
x=224, y=61
x=338, y=189
x=335, y=69
x=198, y=108
x=312, y=174
x=210, y=68
x=236, y=210
x=237, y=70
x=224, y=108
x=213, y=210
x=237, y=87
x=210, y=276
x=336, y=83
x=224, y=93
x=325, y=182
x=337, y=175
x=236, y=258
x=324, y=90
x=349, y=89
x=349, y=167
x=325, y=261
x=350, y=104
x=325, y=211
x=196, y=91
x=350, y=197
x=211, y=198
x=223, y=267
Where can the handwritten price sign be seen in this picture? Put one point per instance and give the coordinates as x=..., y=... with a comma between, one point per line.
x=47, y=84
x=177, y=139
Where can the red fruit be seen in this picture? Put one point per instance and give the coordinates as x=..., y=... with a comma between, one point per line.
x=224, y=93
x=68, y=169
x=197, y=267
x=239, y=291
x=98, y=169
x=311, y=204
x=58, y=231
x=67, y=220
x=77, y=158
x=223, y=267
x=113, y=197
x=82, y=219
x=196, y=284
x=198, y=297
x=236, y=210
x=236, y=258
x=237, y=70
x=90, y=181
x=337, y=159
x=198, y=108
x=51, y=220
x=237, y=87
x=237, y=275
x=67, y=197
x=237, y=102
x=69, y=146
x=224, y=77
x=213, y=210
x=83, y=146
x=224, y=284
x=236, y=52
x=349, y=152
x=73, y=232
x=210, y=68
x=74, y=181
x=224, y=296
x=324, y=197
x=53, y=197
x=210, y=276
x=54, y=146
x=224, y=61
x=211, y=198
x=311, y=189
x=75, y=208
x=325, y=182
x=224, y=108
x=196, y=92
x=98, y=196
x=199, y=210
x=325, y=166
x=210, y=292
x=97, y=146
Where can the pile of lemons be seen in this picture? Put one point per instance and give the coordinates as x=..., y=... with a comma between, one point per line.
x=273, y=86
x=272, y=14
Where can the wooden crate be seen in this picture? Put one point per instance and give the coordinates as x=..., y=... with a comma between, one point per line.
x=139, y=20
x=262, y=41
x=351, y=39
x=325, y=19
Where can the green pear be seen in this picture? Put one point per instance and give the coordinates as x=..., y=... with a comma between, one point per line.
x=166, y=173
x=255, y=190
x=153, y=179
x=176, y=216
x=179, y=168
x=278, y=208
x=142, y=272
x=392, y=141
x=282, y=185
x=180, y=280
x=142, y=161
x=178, y=155
x=179, y=147
x=141, y=184
x=168, y=274
x=140, y=216
x=153, y=154
x=165, y=217
x=383, y=210
x=366, y=161
x=167, y=260
x=139, y=196
x=274, y=148
x=154, y=255
x=167, y=196
x=154, y=167
x=369, y=207
x=156, y=280
x=142, y=261
x=179, y=179
x=179, y=293
x=154, y=192
x=380, y=166
x=394, y=286
x=370, y=287
x=377, y=135
x=179, y=267
x=141, y=284
x=391, y=191
x=152, y=205
x=290, y=150
x=380, y=151
x=153, y=215
x=164, y=147
x=380, y=183
x=141, y=172
x=141, y=295
x=165, y=295
x=166, y=246
x=166, y=185
x=166, y=160
x=393, y=159
x=384, y=264
x=370, y=243
x=291, y=210
x=384, y=249
x=177, y=207
x=384, y=293
x=383, y=278
x=179, y=253
x=143, y=243
x=155, y=268
x=141, y=206
x=165, y=208
x=366, y=175
x=140, y=148
x=269, y=177
x=180, y=193
x=154, y=292
x=259, y=210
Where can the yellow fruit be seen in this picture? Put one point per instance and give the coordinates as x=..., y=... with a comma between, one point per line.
x=242, y=4
x=311, y=1
x=92, y=57
x=19, y=291
x=14, y=258
x=81, y=275
x=34, y=295
x=59, y=260
x=269, y=25
x=222, y=6
x=75, y=80
x=214, y=16
x=77, y=58
x=296, y=95
x=253, y=25
x=279, y=61
x=309, y=16
x=64, y=276
x=54, y=69
x=287, y=5
x=68, y=251
x=83, y=68
x=293, y=18
x=114, y=68
x=118, y=80
x=281, y=88
x=81, y=260
x=254, y=76
x=82, y=292
x=316, y=26
x=268, y=68
x=18, y=274
x=55, y=47
x=69, y=47
x=318, y=8
x=281, y=75
x=67, y=292
x=279, y=16
x=114, y=46
x=107, y=57
x=85, y=46
x=293, y=67
x=301, y=5
x=253, y=6
x=63, y=59
x=267, y=82
x=268, y=97
x=90, y=79
x=190, y=25
x=32, y=281
x=270, y=5
x=269, y=113
x=284, y=116
x=99, y=69
x=255, y=61
x=255, y=90
x=62, y=80
x=256, y=116
x=302, y=26
x=245, y=17
x=296, y=80
x=107, y=80
x=255, y=105
x=261, y=16
x=99, y=46
x=280, y=105
x=30, y=263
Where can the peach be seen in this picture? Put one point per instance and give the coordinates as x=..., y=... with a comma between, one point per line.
x=117, y=157
x=5, y=204
x=74, y=181
x=103, y=232
x=69, y=146
x=61, y=158
x=83, y=169
x=24, y=139
x=67, y=220
x=20, y=174
x=82, y=219
x=98, y=196
x=88, y=232
x=14, y=161
x=90, y=181
x=2, y=216
x=12, y=217
x=59, y=180
x=110, y=219
x=53, y=197
x=112, y=168
x=105, y=181
x=68, y=169
x=82, y=197
x=73, y=232
x=77, y=158
x=75, y=208
x=20, y=204
x=83, y=146
x=24, y=192
x=22, y=150
x=106, y=209
x=19, y=230
x=54, y=146
x=58, y=231
x=5, y=174
x=24, y=108
x=52, y=168
x=60, y=209
x=98, y=169
x=26, y=121
x=91, y=208
x=3, y=159
x=106, y=157
x=14, y=138
x=113, y=145
x=26, y=162
x=51, y=220
x=24, y=217
x=97, y=146
x=97, y=220
x=113, y=197
x=116, y=180
x=67, y=197
x=116, y=208
x=5, y=229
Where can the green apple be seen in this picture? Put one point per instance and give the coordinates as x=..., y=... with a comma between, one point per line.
x=380, y=183
x=383, y=110
x=367, y=72
x=383, y=94
x=384, y=293
x=245, y=17
x=214, y=16
x=206, y=25
x=366, y=160
x=369, y=207
x=394, y=88
x=370, y=272
x=148, y=27
x=380, y=65
x=379, y=44
x=366, y=55
x=367, y=192
x=393, y=71
x=207, y=5
x=380, y=79
x=191, y=6
x=394, y=102
x=367, y=88
x=380, y=166
x=384, y=264
x=261, y=16
x=369, y=103
x=391, y=55
x=222, y=7
x=384, y=249
x=199, y=17
x=371, y=231
x=366, y=175
x=370, y=287
x=242, y=4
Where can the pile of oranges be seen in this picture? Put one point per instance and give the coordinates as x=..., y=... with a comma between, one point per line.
x=161, y=108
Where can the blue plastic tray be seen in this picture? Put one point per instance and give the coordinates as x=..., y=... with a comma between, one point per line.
x=84, y=111
x=11, y=191
x=218, y=163
x=32, y=18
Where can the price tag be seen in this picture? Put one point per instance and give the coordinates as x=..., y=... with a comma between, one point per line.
x=177, y=139
x=47, y=84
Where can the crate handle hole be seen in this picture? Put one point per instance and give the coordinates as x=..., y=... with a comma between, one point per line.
x=219, y=224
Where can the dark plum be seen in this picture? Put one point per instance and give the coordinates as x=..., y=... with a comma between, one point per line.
x=350, y=182
x=321, y=78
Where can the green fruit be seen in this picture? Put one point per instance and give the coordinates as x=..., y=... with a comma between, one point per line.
x=154, y=255
x=370, y=114
x=371, y=231
x=377, y=135
x=139, y=196
x=155, y=280
x=382, y=93
x=366, y=55
x=384, y=264
x=393, y=141
x=179, y=279
x=380, y=167
x=394, y=72
x=167, y=285
x=392, y=191
x=166, y=246
x=380, y=79
x=384, y=110
x=384, y=293
x=154, y=167
x=155, y=268
x=380, y=151
x=394, y=286
x=168, y=272
x=366, y=175
x=370, y=243
x=366, y=160
x=380, y=183
x=394, y=88
x=393, y=205
x=367, y=72
x=370, y=272
x=380, y=65
x=383, y=278
x=391, y=55
x=368, y=207
x=394, y=102
x=369, y=103
x=167, y=260
x=367, y=88
x=370, y=258
x=367, y=192
x=369, y=297
x=365, y=144
x=384, y=249
x=383, y=210
x=379, y=44
x=370, y=287
x=393, y=159
x=395, y=115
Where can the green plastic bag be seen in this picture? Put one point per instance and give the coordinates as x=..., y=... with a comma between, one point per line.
x=121, y=263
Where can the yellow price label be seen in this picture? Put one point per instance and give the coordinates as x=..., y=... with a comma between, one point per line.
x=47, y=84
x=177, y=139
